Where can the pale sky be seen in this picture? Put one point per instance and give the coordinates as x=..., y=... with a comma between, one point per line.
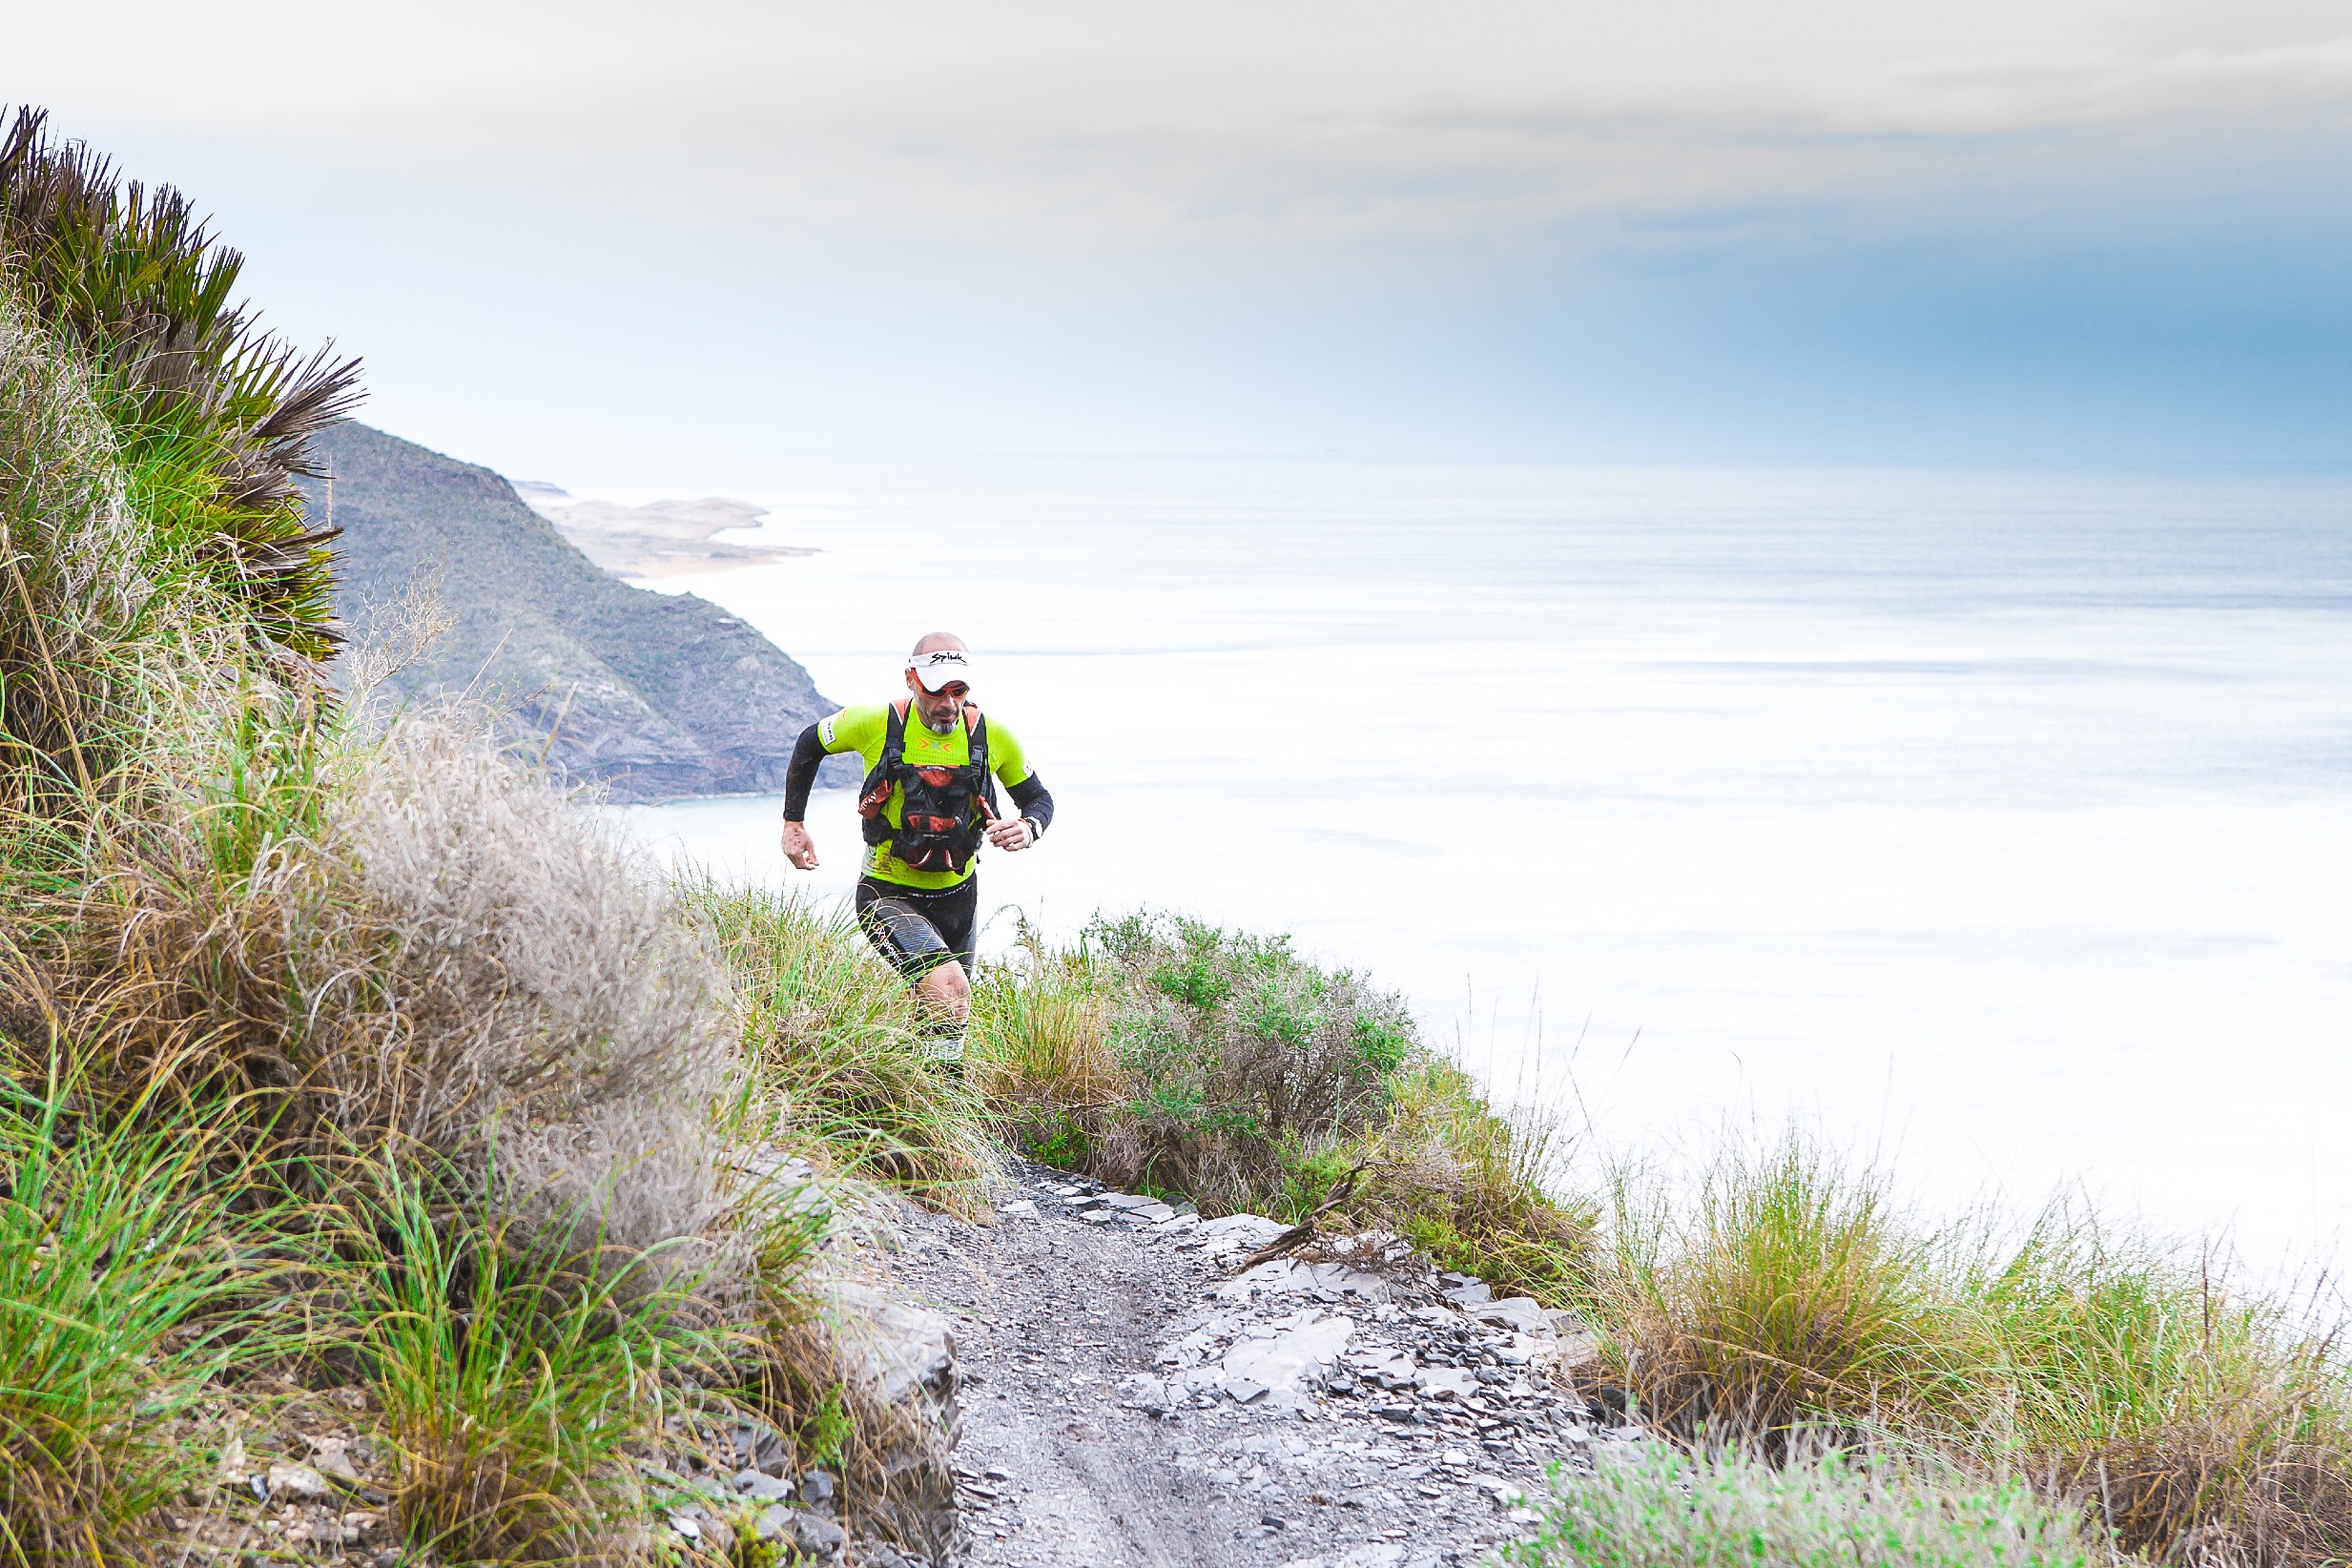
x=640, y=245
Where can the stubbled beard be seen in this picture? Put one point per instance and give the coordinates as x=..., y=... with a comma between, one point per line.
x=943, y=725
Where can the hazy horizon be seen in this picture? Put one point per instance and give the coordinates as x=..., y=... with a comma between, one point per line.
x=602, y=247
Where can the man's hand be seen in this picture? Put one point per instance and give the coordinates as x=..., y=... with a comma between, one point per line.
x=798, y=847
x=1011, y=832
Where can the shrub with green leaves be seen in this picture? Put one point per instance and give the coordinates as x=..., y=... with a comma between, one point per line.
x=1237, y=1051
x=1167, y=1055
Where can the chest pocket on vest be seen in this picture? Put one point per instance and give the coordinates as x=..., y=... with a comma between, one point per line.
x=943, y=811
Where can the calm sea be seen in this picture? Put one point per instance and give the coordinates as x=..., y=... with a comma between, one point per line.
x=1998, y=822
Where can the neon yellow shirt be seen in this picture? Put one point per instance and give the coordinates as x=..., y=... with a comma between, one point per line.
x=862, y=729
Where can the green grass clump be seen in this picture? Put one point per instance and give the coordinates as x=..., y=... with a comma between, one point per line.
x=120, y=1296
x=2204, y=1415
x=1729, y=1509
x=513, y=1380
x=1165, y=1055
x=1783, y=1289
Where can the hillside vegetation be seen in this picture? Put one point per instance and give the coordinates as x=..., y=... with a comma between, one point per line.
x=362, y=1092
x=355, y=1078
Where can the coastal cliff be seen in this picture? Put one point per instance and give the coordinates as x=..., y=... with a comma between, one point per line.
x=653, y=697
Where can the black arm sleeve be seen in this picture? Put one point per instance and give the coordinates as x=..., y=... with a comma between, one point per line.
x=1029, y=799
x=802, y=775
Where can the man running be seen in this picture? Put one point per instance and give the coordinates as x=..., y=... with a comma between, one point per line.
x=928, y=800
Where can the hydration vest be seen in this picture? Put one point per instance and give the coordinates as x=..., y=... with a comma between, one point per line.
x=944, y=812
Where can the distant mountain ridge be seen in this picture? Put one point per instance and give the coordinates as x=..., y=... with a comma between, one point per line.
x=654, y=696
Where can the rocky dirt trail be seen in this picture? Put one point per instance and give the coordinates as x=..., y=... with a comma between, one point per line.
x=1128, y=1398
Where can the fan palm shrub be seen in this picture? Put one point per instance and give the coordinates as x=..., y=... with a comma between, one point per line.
x=212, y=415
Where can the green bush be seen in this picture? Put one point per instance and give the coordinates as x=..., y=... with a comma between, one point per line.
x=1165, y=1055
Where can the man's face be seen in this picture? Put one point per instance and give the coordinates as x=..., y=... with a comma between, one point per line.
x=938, y=710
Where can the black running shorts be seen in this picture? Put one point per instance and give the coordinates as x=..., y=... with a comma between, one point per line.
x=917, y=929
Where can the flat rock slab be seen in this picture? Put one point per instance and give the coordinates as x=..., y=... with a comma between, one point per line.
x=1239, y=1232
x=1521, y=1315
x=1294, y=1361
x=1288, y=1276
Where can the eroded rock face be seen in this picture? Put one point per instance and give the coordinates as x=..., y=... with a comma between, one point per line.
x=910, y=1351
x=907, y=1356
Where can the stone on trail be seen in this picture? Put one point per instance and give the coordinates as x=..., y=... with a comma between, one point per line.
x=1288, y=1276
x=1448, y=1382
x=297, y=1481
x=1389, y=1368
x=809, y=1532
x=1472, y=1294
x=761, y=1487
x=334, y=1460
x=1378, y=1555
x=1140, y=1390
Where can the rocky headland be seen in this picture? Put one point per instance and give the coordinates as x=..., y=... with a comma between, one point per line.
x=658, y=539
x=651, y=696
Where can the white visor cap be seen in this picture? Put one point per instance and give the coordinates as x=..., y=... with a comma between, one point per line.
x=940, y=666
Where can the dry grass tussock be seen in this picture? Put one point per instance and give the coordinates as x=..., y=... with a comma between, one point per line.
x=1782, y=1289
x=72, y=547
x=414, y=944
x=485, y=965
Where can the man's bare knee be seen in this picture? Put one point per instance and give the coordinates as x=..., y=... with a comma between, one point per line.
x=946, y=991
